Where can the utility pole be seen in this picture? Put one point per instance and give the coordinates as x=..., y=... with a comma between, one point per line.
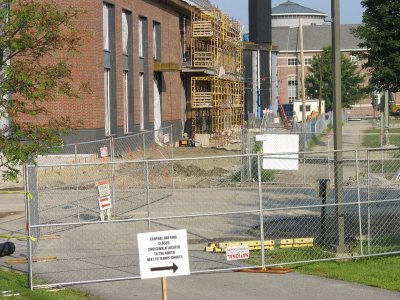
x=320, y=86
x=303, y=92
x=337, y=124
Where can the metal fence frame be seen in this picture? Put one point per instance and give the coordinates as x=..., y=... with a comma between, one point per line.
x=34, y=224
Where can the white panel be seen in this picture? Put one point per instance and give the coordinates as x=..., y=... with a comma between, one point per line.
x=274, y=147
x=158, y=135
x=106, y=38
x=125, y=33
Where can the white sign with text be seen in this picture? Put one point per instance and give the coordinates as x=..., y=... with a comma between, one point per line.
x=163, y=254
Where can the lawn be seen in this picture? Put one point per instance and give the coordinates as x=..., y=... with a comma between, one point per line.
x=381, y=272
x=372, y=138
x=16, y=283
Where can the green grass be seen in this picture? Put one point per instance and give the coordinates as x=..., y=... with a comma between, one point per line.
x=372, y=139
x=280, y=256
x=381, y=272
x=17, y=283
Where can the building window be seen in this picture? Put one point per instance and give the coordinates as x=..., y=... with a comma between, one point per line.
x=141, y=100
x=292, y=87
x=307, y=61
x=308, y=108
x=125, y=32
x=141, y=34
x=157, y=41
x=126, y=101
x=107, y=102
x=106, y=26
x=293, y=62
x=354, y=59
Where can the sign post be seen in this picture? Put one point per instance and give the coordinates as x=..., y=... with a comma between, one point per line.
x=163, y=254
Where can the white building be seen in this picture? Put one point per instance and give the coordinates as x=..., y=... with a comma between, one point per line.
x=289, y=14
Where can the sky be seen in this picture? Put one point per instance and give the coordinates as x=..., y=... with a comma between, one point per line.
x=351, y=10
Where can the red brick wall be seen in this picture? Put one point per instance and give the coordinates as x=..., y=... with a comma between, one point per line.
x=88, y=64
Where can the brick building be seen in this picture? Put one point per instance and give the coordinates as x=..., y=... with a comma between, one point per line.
x=137, y=60
x=316, y=35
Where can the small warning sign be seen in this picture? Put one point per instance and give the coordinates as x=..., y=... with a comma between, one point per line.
x=237, y=252
x=163, y=254
x=104, y=151
x=105, y=203
x=103, y=188
x=166, y=138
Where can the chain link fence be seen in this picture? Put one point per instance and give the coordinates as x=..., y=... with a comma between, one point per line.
x=219, y=204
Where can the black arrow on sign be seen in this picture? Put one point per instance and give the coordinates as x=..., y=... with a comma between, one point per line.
x=174, y=267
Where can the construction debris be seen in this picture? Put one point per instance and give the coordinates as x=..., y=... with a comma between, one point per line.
x=268, y=244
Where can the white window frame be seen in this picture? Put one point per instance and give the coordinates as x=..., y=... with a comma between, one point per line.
x=140, y=38
x=125, y=32
x=106, y=29
x=141, y=100
x=308, y=61
x=290, y=61
x=293, y=89
x=107, y=100
x=154, y=41
x=127, y=117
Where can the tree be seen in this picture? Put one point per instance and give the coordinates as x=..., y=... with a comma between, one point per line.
x=36, y=39
x=321, y=68
x=380, y=34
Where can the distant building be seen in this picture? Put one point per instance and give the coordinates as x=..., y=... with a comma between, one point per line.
x=290, y=14
x=316, y=35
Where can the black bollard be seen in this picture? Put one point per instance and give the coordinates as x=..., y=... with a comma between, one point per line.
x=323, y=191
x=7, y=249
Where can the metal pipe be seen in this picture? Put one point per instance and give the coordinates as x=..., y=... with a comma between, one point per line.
x=368, y=200
x=359, y=202
x=147, y=193
x=213, y=214
x=259, y=164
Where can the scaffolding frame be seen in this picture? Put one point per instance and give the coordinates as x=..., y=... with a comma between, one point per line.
x=216, y=101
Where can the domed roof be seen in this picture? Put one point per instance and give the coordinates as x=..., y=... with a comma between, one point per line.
x=291, y=8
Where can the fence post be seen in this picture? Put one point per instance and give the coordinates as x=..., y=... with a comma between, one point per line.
x=144, y=144
x=147, y=193
x=359, y=202
x=28, y=227
x=259, y=164
x=76, y=182
x=368, y=199
x=172, y=156
x=112, y=149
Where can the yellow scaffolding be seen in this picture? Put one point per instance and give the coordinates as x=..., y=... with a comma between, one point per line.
x=216, y=41
x=216, y=101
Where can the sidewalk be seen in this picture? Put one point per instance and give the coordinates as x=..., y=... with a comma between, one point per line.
x=241, y=286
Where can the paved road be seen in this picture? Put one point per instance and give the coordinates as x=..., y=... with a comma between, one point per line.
x=227, y=285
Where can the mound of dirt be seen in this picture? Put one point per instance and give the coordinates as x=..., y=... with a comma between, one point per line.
x=195, y=171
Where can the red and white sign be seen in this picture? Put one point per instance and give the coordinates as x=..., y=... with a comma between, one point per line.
x=103, y=189
x=166, y=138
x=105, y=203
x=104, y=152
x=237, y=252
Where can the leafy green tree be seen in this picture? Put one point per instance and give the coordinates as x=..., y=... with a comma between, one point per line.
x=36, y=39
x=353, y=89
x=380, y=34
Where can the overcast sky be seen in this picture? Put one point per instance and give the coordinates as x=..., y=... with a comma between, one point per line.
x=351, y=10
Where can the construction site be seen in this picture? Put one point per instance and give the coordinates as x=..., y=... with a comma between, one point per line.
x=217, y=89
